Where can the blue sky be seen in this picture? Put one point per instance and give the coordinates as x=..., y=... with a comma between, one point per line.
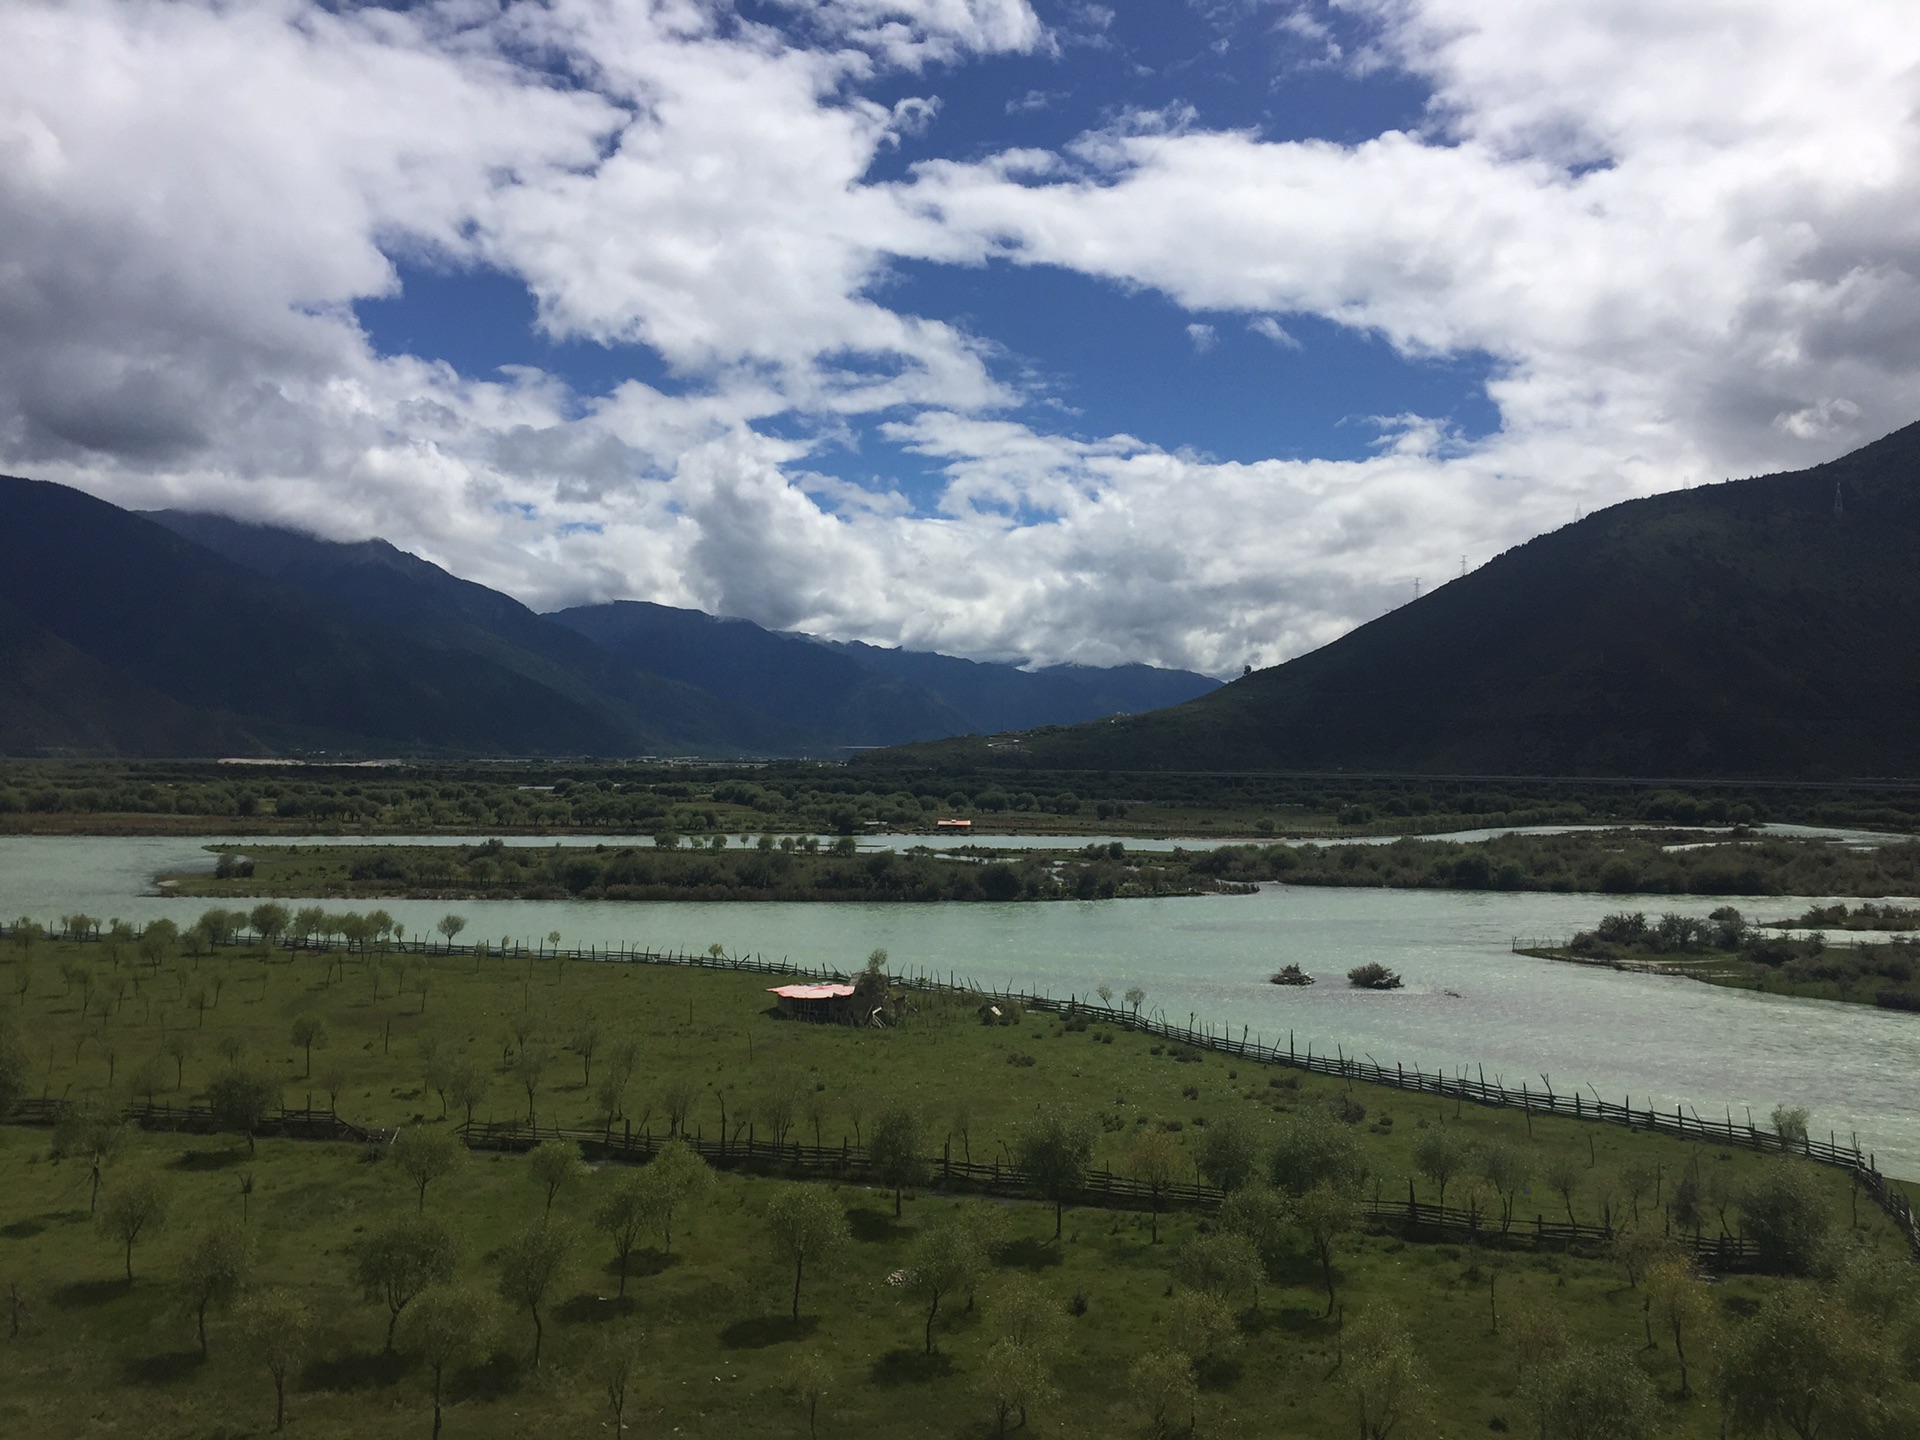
x=1091, y=357
x=1188, y=332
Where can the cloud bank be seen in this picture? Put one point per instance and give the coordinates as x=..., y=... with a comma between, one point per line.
x=1686, y=234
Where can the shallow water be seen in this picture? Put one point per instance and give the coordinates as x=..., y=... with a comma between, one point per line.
x=1468, y=1001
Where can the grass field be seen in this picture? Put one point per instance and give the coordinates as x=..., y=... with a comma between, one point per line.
x=100, y=1356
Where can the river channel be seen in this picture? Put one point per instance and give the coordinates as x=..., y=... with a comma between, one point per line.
x=1469, y=1002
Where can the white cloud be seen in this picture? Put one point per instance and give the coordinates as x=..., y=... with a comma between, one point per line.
x=1269, y=328
x=1687, y=235
x=1202, y=337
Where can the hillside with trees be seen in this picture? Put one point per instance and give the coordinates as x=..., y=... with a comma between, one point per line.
x=1761, y=627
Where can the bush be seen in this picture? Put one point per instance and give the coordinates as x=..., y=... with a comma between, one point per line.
x=1373, y=976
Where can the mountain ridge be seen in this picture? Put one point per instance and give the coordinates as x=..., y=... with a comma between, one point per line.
x=1760, y=627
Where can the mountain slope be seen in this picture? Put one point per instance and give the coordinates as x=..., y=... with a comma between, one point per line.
x=391, y=587
x=1004, y=697
x=1752, y=628
x=863, y=694
x=105, y=611
x=806, y=683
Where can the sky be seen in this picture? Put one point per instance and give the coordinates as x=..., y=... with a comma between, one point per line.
x=1192, y=332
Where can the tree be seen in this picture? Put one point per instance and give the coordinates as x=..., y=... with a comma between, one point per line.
x=1155, y=1159
x=15, y=1068
x=532, y=1264
x=88, y=1132
x=309, y=1031
x=1804, y=1366
x=1202, y=1328
x=586, y=1040
x=1677, y=1297
x=1597, y=1395
x=468, y=1085
x=241, y=1099
x=941, y=1259
x=1439, y=1155
x=556, y=1164
x=1229, y=1154
x=274, y=1325
x=894, y=1151
x=269, y=921
x=399, y=1261
x=609, y=1097
x=625, y=1215
x=1013, y=1379
x=447, y=1326
x=449, y=926
x=620, y=1360
x=1325, y=1214
x=676, y=1176
x=177, y=1047
x=1220, y=1264
x=1507, y=1169
x=1027, y=1314
x=1313, y=1149
x=806, y=1224
x=1563, y=1176
x=1790, y=1124
x=1163, y=1386
x=213, y=1271
x=528, y=1066
x=1052, y=1151
x=808, y=1378
x=1264, y=1218
x=1388, y=1381
x=423, y=1156
x=1787, y=1217
x=136, y=1206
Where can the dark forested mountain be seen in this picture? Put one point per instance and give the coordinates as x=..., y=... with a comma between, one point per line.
x=181, y=634
x=379, y=583
x=1762, y=627
x=863, y=693
x=1004, y=697
x=806, y=683
x=120, y=636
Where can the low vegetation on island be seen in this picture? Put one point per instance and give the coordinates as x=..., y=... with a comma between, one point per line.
x=766, y=867
x=821, y=1277
x=1724, y=949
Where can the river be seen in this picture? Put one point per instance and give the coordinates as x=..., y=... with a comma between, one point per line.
x=1469, y=1001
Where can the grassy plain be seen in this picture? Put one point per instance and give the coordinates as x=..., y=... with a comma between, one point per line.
x=102, y=1357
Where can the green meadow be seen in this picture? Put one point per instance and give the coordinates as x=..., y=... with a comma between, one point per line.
x=1225, y=1324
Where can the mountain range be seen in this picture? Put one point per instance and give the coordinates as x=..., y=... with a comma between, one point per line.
x=187, y=634
x=1766, y=627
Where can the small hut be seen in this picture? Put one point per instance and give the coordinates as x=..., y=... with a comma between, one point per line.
x=829, y=1001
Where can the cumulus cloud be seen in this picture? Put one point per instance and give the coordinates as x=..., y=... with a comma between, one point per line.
x=1686, y=236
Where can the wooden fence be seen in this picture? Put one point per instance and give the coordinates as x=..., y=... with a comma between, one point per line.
x=303, y=1124
x=1411, y=1218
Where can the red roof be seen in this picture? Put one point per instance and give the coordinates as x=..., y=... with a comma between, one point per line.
x=811, y=992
